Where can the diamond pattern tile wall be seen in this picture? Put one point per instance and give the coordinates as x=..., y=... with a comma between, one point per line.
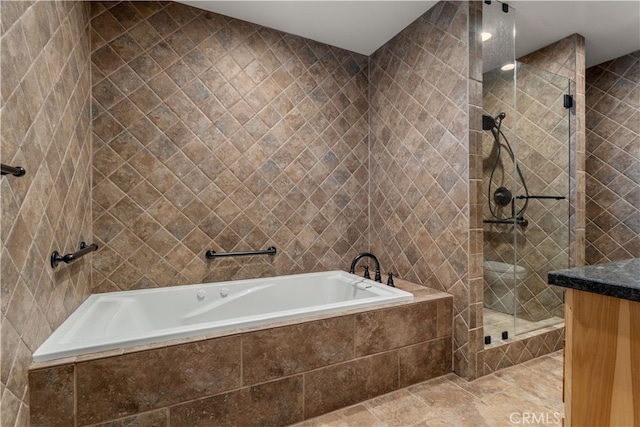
x=211, y=132
x=613, y=160
x=420, y=155
x=45, y=125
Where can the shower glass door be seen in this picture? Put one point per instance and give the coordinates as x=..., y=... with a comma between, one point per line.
x=498, y=122
x=526, y=147
x=542, y=155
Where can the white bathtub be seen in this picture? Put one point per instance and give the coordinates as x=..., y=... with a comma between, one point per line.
x=127, y=319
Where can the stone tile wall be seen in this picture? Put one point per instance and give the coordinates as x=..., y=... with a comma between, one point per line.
x=210, y=132
x=153, y=189
x=267, y=377
x=44, y=127
x=420, y=208
x=613, y=160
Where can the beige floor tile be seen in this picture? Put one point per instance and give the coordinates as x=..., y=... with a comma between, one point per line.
x=443, y=393
x=547, y=363
x=482, y=386
x=514, y=406
x=400, y=408
x=527, y=394
x=353, y=416
x=543, y=389
x=457, y=419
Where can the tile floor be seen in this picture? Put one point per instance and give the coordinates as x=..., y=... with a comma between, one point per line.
x=529, y=394
x=495, y=322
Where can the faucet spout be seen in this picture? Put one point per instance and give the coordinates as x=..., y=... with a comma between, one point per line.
x=352, y=270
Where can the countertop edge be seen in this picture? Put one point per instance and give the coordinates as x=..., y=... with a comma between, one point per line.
x=593, y=285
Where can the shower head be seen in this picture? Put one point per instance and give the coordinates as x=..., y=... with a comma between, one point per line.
x=489, y=122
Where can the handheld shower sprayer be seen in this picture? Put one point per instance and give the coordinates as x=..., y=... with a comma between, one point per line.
x=502, y=195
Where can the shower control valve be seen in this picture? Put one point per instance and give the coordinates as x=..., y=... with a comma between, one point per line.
x=502, y=196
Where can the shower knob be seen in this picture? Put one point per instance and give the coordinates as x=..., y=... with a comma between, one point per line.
x=502, y=196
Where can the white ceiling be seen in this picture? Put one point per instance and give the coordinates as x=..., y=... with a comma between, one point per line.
x=358, y=26
x=610, y=28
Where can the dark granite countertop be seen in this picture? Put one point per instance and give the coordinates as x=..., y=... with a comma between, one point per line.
x=619, y=279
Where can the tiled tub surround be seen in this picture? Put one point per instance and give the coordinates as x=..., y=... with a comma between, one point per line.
x=613, y=160
x=311, y=199
x=45, y=122
x=283, y=124
x=210, y=132
x=276, y=376
x=425, y=88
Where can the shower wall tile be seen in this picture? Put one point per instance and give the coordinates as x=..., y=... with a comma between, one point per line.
x=475, y=250
x=524, y=347
x=213, y=133
x=45, y=125
x=420, y=208
x=613, y=160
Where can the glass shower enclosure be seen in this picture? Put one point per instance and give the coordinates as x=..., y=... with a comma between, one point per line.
x=526, y=157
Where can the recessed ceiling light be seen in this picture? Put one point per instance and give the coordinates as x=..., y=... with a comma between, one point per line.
x=485, y=36
x=508, y=67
